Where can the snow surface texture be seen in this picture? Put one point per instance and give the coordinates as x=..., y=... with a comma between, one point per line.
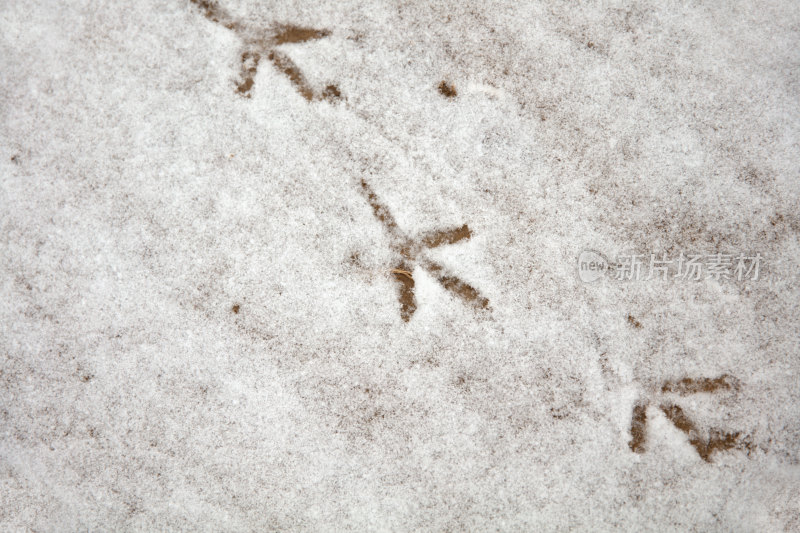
x=313, y=266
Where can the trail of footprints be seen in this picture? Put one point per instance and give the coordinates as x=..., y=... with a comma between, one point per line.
x=264, y=42
x=260, y=43
x=706, y=442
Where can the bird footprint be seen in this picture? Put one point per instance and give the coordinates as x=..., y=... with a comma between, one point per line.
x=705, y=442
x=413, y=252
x=260, y=43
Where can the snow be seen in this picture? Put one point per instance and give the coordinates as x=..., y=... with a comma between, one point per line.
x=201, y=329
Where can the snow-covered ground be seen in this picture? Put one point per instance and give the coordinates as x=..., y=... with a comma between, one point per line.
x=314, y=266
